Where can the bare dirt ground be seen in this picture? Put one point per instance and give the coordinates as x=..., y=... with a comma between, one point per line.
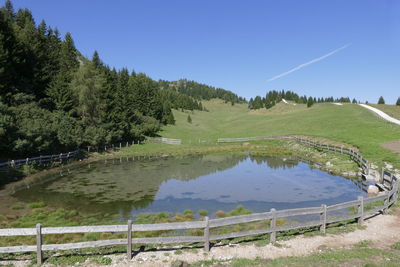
x=393, y=146
x=382, y=230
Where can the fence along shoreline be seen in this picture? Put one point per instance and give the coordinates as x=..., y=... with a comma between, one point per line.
x=73, y=154
x=389, y=198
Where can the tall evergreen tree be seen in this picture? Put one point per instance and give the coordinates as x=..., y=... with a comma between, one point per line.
x=68, y=56
x=9, y=58
x=398, y=102
x=60, y=93
x=8, y=10
x=381, y=100
x=96, y=60
x=310, y=102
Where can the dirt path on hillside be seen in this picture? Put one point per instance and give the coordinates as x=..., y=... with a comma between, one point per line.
x=381, y=114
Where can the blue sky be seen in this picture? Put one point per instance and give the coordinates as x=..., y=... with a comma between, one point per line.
x=241, y=45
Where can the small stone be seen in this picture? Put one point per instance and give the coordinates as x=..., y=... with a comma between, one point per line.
x=372, y=189
x=388, y=165
x=328, y=164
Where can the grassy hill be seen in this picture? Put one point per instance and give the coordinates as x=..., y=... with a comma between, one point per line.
x=391, y=110
x=348, y=123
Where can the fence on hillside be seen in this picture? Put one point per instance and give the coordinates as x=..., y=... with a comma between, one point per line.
x=108, y=147
x=357, y=157
x=74, y=154
x=164, y=140
x=40, y=160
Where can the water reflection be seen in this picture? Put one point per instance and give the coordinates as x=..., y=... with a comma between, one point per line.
x=173, y=184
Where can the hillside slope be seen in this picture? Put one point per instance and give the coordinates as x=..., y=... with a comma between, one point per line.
x=347, y=123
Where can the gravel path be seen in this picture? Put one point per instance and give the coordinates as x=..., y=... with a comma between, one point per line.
x=382, y=230
x=381, y=114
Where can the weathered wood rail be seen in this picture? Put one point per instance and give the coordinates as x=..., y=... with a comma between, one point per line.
x=355, y=155
x=327, y=215
x=39, y=160
x=164, y=140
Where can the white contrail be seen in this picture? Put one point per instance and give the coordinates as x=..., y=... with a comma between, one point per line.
x=309, y=62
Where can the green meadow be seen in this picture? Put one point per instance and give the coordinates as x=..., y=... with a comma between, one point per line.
x=349, y=124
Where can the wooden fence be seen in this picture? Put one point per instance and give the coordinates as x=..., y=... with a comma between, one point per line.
x=164, y=140
x=357, y=157
x=39, y=160
x=325, y=213
x=108, y=147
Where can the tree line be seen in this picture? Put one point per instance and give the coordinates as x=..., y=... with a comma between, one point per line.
x=201, y=91
x=273, y=97
x=381, y=101
x=54, y=99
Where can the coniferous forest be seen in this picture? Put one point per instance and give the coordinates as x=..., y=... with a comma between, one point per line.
x=54, y=99
x=273, y=97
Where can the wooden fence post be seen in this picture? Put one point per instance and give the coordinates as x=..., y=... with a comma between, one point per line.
x=396, y=191
x=361, y=210
x=323, y=219
x=129, y=248
x=273, y=226
x=207, y=235
x=386, y=203
x=39, y=254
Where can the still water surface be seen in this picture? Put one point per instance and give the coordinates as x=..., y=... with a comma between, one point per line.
x=172, y=184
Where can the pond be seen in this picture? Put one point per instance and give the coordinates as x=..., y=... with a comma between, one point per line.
x=129, y=186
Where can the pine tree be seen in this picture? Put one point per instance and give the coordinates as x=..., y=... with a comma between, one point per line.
x=11, y=59
x=189, y=119
x=60, y=93
x=96, y=60
x=310, y=102
x=354, y=101
x=381, y=100
x=9, y=10
x=68, y=55
x=398, y=102
x=170, y=119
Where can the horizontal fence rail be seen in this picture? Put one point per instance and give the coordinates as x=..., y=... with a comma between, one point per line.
x=73, y=154
x=326, y=214
x=164, y=140
x=39, y=160
x=360, y=160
